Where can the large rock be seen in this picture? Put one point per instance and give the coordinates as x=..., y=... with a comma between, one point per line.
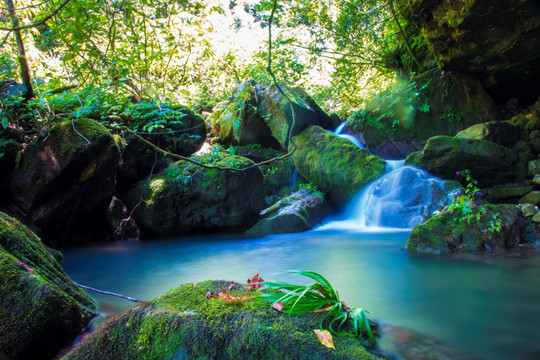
x=445, y=232
x=239, y=121
x=296, y=109
x=10, y=147
x=184, y=134
x=300, y=211
x=488, y=163
x=186, y=197
x=66, y=175
x=502, y=133
x=337, y=166
x=41, y=309
x=184, y=324
x=499, y=42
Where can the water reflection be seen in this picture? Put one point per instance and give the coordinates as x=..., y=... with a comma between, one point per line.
x=486, y=304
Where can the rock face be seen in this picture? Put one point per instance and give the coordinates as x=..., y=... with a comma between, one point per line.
x=337, y=166
x=297, y=107
x=298, y=212
x=184, y=136
x=66, y=175
x=240, y=121
x=499, y=43
x=444, y=233
x=185, y=197
x=41, y=310
x=502, y=133
x=184, y=324
x=488, y=162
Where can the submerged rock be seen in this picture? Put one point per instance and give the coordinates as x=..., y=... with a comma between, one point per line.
x=186, y=197
x=298, y=212
x=337, y=166
x=41, y=309
x=488, y=163
x=65, y=176
x=184, y=324
x=445, y=233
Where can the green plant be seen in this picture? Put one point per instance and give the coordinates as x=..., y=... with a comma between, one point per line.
x=319, y=296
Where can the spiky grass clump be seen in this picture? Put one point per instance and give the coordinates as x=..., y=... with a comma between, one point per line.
x=319, y=296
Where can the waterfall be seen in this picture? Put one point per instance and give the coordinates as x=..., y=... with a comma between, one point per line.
x=403, y=198
x=340, y=132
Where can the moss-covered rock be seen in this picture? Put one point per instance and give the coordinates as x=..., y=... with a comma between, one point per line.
x=66, y=175
x=499, y=132
x=297, y=109
x=41, y=309
x=184, y=324
x=508, y=192
x=300, y=211
x=445, y=233
x=186, y=197
x=530, y=198
x=499, y=43
x=239, y=121
x=337, y=166
x=184, y=136
x=10, y=147
x=487, y=162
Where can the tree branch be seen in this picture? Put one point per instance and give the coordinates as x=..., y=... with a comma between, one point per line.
x=405, y=40
x=40, y=22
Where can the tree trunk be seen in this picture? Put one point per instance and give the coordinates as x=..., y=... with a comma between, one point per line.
x=23, y=63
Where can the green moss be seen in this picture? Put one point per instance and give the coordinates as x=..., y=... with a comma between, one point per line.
x=42, y=309
x=164, y=329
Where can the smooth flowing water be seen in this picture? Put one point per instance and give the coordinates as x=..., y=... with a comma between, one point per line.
x=487, y=304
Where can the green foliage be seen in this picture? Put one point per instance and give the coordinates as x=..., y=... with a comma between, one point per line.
x=315, y=297
x=392, y=109
x=467, y=209
x=229, y=115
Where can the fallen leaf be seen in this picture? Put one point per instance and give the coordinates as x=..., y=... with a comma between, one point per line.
x=325, y=338
x=278, y=305
x=231, y=286
x=254, y=282
x=223, y=295
x=24, y=266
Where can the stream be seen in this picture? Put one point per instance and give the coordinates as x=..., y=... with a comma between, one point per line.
x=485, y=304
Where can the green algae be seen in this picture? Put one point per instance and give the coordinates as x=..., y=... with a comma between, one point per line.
x=185, y=324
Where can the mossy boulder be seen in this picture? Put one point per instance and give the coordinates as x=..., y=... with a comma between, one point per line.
x=488, y=163
x=184, y=135
x=186, y=197
x=297, y=110
x=337, y=166
x=531, y=198
x=184, y=324
x=300, y=211
x=41, y=309
x=508, y=192
x=239, y=121
x=449, y=232
x=66, y=175
x=499, y=132
x=499, y=43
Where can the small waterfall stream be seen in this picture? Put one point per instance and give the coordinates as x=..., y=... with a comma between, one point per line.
x=403, y=198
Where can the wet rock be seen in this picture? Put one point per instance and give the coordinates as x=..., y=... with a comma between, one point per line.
x=446, y=233
x=527, y=209
x=534, y=167
x=42, y=309
x=120, y=221
x=338, y=167
x=531, y=198
x=509, y=193
x=66, y=175
x=300, y=211
x=487, y=162
x=185, y=197
x=184, y=324
x=502, y=133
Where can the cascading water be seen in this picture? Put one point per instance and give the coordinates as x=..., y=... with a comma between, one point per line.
x=403, y=198
x=340, y=132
